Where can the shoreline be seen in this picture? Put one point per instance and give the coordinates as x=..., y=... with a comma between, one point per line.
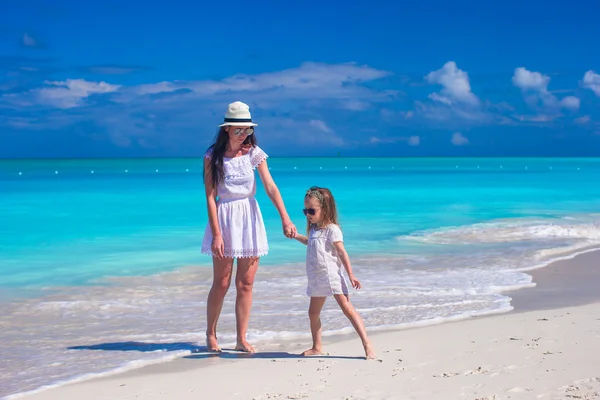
x=562, y=284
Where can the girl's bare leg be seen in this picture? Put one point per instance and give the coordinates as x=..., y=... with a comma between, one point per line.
x=314, y=314
x=244, y=282
x=357, y=322
x=221, y=281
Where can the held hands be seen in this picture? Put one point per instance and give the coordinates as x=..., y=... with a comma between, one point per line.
x=289, y=229
x=355, y=282
x=218, y=247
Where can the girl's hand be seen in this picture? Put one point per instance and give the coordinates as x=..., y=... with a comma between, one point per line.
x=289, y=229
x=355, y=282
x=218, y=247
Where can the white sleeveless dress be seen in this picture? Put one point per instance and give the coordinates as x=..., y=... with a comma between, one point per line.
x=324, y=268
x=238, y=213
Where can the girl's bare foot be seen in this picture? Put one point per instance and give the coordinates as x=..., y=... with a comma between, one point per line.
x=312, y=352
x=242, y=345
x=211, y=343
x=370, y=353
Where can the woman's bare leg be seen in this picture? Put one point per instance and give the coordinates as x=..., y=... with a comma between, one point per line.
x=221, y=280
x=244, y=282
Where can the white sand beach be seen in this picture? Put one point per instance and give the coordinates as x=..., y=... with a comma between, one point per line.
x=547, y=348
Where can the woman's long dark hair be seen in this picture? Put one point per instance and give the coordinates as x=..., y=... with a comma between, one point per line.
x=219, y=147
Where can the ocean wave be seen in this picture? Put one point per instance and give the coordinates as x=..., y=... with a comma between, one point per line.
x=510, y=231
x=88, y=329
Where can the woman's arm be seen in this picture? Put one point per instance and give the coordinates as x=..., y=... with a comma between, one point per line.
x=289, y=229
x=217, y=246
x=343, y=255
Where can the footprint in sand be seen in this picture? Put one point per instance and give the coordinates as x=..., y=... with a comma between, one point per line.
x=326, y=366
x=446, y=375
x=519, y=390
x=479, y=370
x=583, y=389
x=297, y=396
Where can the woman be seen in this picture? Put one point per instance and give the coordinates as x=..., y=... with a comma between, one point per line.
x=235, y=225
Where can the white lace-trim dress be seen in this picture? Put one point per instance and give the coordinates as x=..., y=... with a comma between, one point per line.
x=240, y=220
x=324, y=268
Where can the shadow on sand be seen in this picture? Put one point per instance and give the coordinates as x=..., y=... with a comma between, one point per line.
x=199, y=352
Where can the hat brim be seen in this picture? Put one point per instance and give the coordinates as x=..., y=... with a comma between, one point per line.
x=239, y=124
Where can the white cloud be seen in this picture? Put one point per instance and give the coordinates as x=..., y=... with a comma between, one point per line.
x=390, y=115
x=70, y=93
x=534, y=86
x=320, y=125
x=414, y=140
x=307, y=92
x=453, y=117
x=527, y=80
x=591, y=80
x=455, y=106
x=456, y=86
x=22, y=122
x=153, y=88
x=310, y=80
x=355, y=105
x=459, y=140
x=299, y=132
x=29, y=41
x=536, y=118
x=571, y=103
x=583, y=120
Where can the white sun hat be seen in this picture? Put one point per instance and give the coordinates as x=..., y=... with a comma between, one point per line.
x=238, y=114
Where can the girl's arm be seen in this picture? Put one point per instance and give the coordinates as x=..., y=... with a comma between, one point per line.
x=343, y=255
x=302, y=239
x=289, y=229
x=217, y=245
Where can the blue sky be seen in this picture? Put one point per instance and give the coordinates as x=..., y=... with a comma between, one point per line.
x=378, y=78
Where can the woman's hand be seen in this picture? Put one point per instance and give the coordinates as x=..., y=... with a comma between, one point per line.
x=289, y=229
x=218, y=247
x=355, y=282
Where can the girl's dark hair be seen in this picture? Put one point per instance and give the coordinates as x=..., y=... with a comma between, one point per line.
x=218, y=149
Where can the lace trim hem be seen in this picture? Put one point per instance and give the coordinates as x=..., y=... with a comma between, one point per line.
x=246, y=169
x=258, y=158
x=240, y=253
x=245, y=166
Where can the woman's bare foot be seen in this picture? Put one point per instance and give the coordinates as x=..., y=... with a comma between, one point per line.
x=211, y=343
x=370, y=353
x=242, y=345
x=312, y=352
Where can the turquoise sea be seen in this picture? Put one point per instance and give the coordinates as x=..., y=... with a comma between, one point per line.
x=101, y=270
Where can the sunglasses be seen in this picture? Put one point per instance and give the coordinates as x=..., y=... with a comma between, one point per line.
x=239, y=131
x=310, y=211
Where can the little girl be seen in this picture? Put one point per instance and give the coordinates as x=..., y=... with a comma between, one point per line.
x=325, y=256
